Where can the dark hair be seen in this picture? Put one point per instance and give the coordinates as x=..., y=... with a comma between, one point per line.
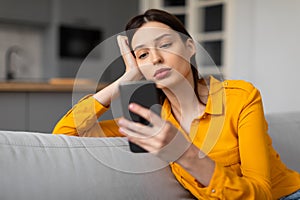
x=174, y=23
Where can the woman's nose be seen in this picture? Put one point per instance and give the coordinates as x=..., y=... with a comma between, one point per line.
x=156, y=56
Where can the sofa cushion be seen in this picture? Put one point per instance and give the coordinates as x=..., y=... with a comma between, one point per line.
x=284, y=129
x=43, y=166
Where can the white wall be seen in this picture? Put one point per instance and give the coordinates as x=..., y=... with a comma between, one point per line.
x=264, y=43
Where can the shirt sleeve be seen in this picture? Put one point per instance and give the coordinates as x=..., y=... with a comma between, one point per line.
x=82, y=120
x=254, y=181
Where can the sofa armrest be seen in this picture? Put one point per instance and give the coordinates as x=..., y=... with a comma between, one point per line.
x=42, y=166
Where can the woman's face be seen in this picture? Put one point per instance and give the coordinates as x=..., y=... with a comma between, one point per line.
x=161, y=54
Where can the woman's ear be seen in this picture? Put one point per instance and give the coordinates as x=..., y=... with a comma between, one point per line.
x=190, y=45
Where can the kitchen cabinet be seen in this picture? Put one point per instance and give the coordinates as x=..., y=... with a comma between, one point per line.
x=79, y=13
x=33, y=111
x=29, y=11
x=30, y=106
x=45, y=109
x=13, y=111
x=110, y=15
x=36, y=111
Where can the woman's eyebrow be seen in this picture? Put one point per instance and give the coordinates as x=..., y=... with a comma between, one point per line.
x=156, y=39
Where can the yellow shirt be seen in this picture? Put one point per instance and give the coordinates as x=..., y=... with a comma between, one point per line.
x=232, y=131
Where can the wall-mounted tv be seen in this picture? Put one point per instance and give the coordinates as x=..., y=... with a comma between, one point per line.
x=77, y=42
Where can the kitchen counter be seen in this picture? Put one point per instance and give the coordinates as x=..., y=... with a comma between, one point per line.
x=47, y=87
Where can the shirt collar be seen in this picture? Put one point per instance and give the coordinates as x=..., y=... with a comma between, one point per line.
x=215, y=101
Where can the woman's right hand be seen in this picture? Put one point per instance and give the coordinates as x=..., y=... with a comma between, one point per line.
x=132, y=71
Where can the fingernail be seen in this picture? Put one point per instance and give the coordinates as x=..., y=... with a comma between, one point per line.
x=131, y=106
x=121, y=121
x=121, y=130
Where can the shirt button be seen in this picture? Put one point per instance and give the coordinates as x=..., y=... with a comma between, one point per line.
x=213, y=190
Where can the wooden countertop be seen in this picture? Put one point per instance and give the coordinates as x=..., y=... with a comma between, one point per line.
x=47, y=87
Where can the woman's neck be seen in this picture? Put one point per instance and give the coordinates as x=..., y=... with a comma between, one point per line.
x=184, y=103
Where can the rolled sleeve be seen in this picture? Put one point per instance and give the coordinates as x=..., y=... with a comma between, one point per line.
x=82, y=118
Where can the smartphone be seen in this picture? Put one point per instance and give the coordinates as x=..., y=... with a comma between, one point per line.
x=143, y=93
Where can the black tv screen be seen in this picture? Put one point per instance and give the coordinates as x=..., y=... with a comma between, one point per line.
x=75, y=42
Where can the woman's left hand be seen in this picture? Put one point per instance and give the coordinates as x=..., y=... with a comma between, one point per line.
x=161, y=138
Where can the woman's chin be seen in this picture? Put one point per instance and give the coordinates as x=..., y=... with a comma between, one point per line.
x=165, y=84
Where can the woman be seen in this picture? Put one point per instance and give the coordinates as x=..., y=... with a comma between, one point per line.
x=240, y=164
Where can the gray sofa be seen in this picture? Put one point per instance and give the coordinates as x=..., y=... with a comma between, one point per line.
x=36, y=166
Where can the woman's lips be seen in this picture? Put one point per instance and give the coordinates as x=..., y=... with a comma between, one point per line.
x=162, y=73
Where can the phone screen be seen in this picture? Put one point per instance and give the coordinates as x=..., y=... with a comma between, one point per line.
x=143, y=93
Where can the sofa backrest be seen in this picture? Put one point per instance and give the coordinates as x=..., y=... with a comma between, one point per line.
x=284, y=129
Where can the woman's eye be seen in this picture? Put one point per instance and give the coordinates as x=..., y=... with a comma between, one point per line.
x=143, y=55
x=166, y=45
